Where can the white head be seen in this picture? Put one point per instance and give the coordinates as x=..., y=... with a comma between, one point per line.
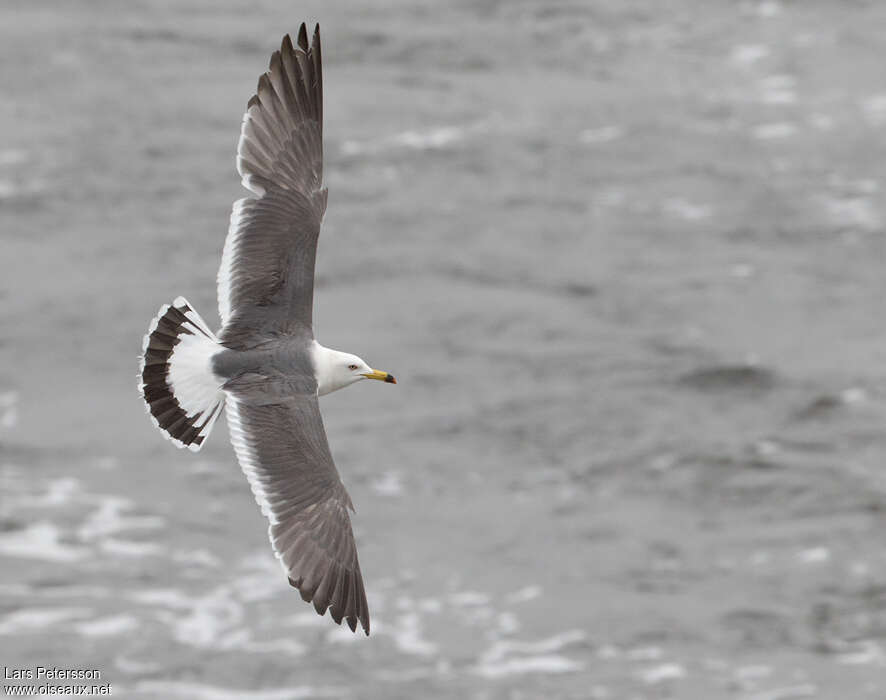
x=335, y=370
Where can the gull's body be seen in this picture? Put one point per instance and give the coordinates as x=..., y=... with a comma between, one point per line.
x=264, y=365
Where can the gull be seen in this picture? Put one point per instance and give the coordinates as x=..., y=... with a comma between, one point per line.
x=264, y=367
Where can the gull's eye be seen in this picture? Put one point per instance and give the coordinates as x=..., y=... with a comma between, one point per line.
x=352, y=367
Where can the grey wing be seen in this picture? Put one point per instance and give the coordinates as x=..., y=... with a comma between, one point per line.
x=283, y=451
x=267, y=268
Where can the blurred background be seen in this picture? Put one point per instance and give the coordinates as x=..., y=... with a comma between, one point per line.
x=626, y=261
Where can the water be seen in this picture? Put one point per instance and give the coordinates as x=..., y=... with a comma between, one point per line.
x=625, y=261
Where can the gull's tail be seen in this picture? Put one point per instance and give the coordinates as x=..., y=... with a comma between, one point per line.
x=183, y=396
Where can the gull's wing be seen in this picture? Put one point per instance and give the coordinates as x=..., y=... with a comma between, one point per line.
x=267, y=269
x=283, y=451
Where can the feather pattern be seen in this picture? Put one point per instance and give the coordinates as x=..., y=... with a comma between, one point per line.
x=283, y=451
x=265, y=299
x=267, y=270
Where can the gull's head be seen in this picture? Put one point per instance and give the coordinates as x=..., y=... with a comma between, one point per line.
x=336, y=370
x=355, y=368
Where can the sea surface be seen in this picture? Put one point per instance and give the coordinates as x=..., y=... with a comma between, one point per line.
x=626, y=260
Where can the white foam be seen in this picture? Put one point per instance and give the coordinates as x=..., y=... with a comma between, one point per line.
x=766, y=448
x=469, y=598
x=503, y=648
x=107, y=462
x=507, y=623
x=12, y=156
x=108, y=519
x=197, y=557
x=524, y=595
x=214, y=620
x=769, y=8
x=687, y=210
x=874, y=108
x=752, y=673
x=406, y=675
x=610, y=197
x=58, y=492
x=163, y=597
x=743, y=270
x=135, y=667
x=264, y=584
x=39, y=541
x=286, y=646
x=8, y=409
x=778, y=97
x=407, y=636
x=661, y=673
x=8, y=189
x=37, y=619
x=341, y=634
x=776, y=130
x=814, y=555
x=778, y=89
x=603, y=134
x=860, y=569
x=822, y=122
x=66, y=592
x=353, y=147
x=867, y=652
x=760, y=557
x=853, y=395
x=208, y=618
x=430, y=605
x=111, y=626
x=608, y=652
x=388, y=484
x=549, y=663
x=436, y=138
x=645, y=653
x=857, y=212
x=311, y=619
x=61, y=491
x=130, y=548
x=203, y=691
x=747, y=54
x=792, y=692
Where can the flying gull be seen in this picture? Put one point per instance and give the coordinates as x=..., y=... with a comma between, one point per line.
x=264, y=366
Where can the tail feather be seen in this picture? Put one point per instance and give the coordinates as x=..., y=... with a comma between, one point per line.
x=182, y=395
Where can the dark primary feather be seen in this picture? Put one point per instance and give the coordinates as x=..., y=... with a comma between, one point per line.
x=283, y=450
x=267, y=272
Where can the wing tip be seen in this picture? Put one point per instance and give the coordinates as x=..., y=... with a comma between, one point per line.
x=335, y=612
x=264, y=83
x=276, y=62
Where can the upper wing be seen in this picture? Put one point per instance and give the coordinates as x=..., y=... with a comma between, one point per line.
x=267, y=268
x=282, y=449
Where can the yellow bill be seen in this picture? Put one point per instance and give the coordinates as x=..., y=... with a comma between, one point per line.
x=381, y=376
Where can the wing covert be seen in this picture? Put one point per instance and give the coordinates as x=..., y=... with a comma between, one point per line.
x=267, y=269
x=283, y=451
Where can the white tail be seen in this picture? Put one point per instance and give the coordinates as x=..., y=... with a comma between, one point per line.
x=183, y=395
